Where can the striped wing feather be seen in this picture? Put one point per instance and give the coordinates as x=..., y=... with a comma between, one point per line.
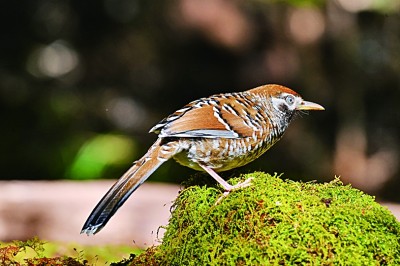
x=194, y=120
x=202, y=119
x=237, y=124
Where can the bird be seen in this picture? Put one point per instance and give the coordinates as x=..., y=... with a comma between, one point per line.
x=211, y=134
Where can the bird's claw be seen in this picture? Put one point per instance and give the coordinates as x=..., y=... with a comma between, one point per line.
x=243, y=184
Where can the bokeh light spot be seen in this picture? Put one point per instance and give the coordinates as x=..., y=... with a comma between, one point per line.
x=53, y=60
x=126, y=113
x=100, y=152
x=306, y=25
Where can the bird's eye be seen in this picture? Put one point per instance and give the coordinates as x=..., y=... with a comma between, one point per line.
x=289, y=99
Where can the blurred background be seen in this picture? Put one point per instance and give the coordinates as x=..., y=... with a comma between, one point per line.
x=82, y=82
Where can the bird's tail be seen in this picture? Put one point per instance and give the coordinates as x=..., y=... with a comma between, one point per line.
x=127, y=184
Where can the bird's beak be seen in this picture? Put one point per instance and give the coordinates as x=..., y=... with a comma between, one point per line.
x=304, y=105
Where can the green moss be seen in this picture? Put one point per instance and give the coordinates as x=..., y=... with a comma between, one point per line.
x=276, y=222
x=38, y=252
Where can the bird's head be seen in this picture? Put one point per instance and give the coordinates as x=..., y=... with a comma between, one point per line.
x=284, y=101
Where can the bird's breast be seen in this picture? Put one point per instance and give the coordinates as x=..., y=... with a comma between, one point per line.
x=222, y=154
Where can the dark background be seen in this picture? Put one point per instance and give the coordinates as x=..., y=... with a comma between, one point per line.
x=82, y=82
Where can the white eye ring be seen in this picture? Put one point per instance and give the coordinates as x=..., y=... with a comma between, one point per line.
x=289, y=99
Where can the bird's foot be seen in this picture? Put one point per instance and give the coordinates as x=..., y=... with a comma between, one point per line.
x=240, y=185
x=243, y=184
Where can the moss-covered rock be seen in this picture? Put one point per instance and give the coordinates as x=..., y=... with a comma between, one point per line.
x=276, y=222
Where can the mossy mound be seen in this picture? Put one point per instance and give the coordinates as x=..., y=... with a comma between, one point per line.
x=276, y=222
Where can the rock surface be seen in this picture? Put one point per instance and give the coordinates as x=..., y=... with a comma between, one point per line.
x=56, y=211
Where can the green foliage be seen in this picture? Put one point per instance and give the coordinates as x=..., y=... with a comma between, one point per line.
x=35, y=244
x=276, y=222
x=304, y=2
x=124, y=262
x=9, y=255
x=99, y=153
x=35, y=252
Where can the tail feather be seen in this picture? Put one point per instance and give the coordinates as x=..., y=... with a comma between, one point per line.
x=126, y=185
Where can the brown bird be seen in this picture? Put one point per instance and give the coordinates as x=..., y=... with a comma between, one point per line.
x=213, y=134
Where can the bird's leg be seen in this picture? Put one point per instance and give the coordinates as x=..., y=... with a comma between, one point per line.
x=223, y=183
x=227, y=187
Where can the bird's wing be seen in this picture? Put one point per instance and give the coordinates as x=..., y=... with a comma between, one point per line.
x=213, y=117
